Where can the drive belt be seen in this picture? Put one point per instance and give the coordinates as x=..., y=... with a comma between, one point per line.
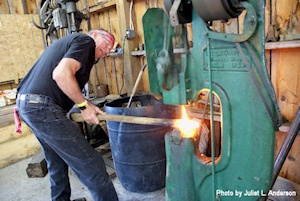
x=276, y=121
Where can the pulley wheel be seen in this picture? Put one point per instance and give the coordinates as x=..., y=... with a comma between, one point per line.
x=210, y=10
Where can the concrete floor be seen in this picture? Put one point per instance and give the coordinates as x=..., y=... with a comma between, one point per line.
x=16, y=186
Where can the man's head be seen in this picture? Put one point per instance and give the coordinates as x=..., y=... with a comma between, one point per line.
x=104, y=42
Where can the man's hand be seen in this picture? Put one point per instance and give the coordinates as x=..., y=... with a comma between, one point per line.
x=64, y=76
x=89, y=114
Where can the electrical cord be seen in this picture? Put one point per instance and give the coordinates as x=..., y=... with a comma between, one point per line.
x=123, y=45
x=130, y=14
x=131, y=26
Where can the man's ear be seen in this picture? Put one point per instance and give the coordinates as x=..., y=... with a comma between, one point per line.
x=95, y=34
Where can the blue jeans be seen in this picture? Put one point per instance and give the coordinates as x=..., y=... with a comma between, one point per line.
x=64, y=145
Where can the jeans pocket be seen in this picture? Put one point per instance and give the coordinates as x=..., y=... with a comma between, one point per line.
x=34, y=117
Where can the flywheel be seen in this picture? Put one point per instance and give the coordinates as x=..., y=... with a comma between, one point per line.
x=210, y=10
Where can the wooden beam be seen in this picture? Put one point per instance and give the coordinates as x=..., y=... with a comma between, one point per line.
x=99, y=7
x=282, y=45
x=102, y=5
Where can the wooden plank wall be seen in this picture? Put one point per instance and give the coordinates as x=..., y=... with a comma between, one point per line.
x=110, y=70
x=285, y=63
x=139, y=9
x=105, y=71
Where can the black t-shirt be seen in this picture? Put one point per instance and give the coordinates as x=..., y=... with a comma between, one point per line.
x=80, y=47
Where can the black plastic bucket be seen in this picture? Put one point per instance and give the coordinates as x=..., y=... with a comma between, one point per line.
x=139, y=150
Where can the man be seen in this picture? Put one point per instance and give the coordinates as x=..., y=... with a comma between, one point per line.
x=47, y=93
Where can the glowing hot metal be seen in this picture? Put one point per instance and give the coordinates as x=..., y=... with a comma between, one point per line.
x=187, y=127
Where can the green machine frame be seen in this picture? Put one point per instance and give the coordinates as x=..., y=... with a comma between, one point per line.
x=231, y=66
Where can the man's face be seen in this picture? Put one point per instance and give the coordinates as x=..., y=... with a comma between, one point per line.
x=103, y=46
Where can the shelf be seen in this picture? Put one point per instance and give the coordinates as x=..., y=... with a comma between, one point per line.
x=137, y=53
x=115, y=54
x=282, y=45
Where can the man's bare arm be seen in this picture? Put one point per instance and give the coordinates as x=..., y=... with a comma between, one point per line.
x=64, y=76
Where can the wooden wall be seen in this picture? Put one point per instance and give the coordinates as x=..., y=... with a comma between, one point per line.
x=109, y=70
x=114, y=71
x=21, y=45
x=283, y=57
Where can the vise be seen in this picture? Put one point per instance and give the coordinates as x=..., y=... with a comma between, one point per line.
x=229, y=68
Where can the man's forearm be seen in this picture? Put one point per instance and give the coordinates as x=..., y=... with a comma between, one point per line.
x=71, y=88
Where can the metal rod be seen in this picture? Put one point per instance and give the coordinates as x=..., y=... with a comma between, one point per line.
x=286, y=146
x=212, y=125
x=129, y=119
x=136, y=84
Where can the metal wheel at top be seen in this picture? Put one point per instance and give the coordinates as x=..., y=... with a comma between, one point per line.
x=208, y=10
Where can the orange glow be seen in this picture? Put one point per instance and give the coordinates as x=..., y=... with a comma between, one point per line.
x=187, y=127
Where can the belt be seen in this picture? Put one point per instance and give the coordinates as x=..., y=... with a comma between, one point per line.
x=33, y=98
